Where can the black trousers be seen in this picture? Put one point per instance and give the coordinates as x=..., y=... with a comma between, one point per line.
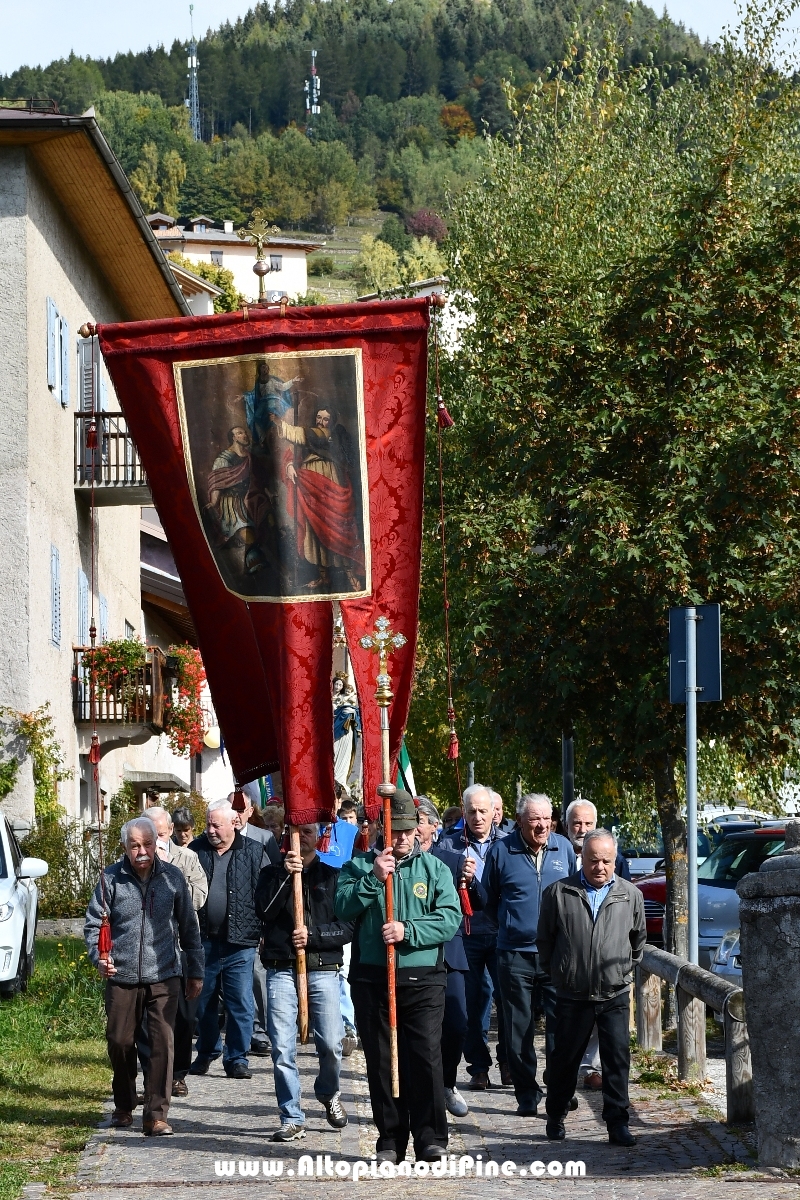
x=454, y=1028
x=522, y=984
x=574, y=1023
x=420, y=1110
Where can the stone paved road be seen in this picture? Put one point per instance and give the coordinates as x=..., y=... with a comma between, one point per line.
x=679, y=1142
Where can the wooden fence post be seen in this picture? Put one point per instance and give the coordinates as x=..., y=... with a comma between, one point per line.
x=738, y=1068
x=648, y=1010
x=691, y=1037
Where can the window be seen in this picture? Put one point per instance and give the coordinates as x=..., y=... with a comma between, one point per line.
x=276, y=262
x=55, y=596
x=130, y=632
x=200, y=227
x=216, y=258
x=737, y=857
x=103, y=606
x=57, y=354
x=83, y=608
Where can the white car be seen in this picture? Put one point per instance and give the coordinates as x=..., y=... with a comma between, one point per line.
x=19, y=900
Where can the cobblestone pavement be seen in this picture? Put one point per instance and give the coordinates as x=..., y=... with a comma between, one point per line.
x=683, y=1151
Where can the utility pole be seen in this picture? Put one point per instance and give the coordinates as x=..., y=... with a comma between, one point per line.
x=312, y=89
x=567, y=770
x=193, y=103
x=691, y=774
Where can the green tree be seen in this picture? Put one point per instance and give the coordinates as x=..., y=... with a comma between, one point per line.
x=625, y=402
x=144, y=180
x=221, y=277
x=172, y=173
x=378, y=264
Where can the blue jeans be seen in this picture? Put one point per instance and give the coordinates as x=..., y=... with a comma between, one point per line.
x=325, y=1016
x=482, y=957
x=229, y=972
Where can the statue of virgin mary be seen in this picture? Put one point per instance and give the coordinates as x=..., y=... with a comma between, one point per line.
x=346, y=729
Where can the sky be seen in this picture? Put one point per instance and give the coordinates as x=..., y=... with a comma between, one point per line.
x=35, y=32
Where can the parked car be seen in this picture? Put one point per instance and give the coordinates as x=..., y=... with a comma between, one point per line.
x=645, y=859
x=19, y=902
x=718, y=905
x=727, y=961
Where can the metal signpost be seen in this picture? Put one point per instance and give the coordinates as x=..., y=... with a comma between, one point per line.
x=695, y=675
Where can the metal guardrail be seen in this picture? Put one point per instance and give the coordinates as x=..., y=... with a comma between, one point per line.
x=696, y=988
x=116, y=459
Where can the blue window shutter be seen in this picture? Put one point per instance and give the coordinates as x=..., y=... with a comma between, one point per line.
x=103, y=606
x=83, y=608
x=64, y=363
x=85, y=375
x=55, y=596
x=52, y=366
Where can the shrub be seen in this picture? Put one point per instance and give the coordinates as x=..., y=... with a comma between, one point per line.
x=321, y=264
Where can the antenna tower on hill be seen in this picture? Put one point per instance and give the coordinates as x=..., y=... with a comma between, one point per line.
x=312, y=90
x=193, y=103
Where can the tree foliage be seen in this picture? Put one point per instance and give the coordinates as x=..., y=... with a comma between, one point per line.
x=626, y=414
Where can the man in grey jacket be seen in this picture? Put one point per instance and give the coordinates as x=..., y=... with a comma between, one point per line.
x=591, y=935
x=152, y=920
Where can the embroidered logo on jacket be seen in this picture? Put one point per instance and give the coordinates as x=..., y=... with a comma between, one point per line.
x=420, y=890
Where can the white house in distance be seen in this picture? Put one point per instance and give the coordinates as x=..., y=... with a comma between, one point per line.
x=75, y=247
x=201, y=239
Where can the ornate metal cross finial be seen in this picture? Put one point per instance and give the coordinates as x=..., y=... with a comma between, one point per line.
x=258, y=233
x=382, y=643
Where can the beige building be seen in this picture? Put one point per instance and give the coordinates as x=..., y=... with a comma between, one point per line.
x=202, y=239
x=75, y=247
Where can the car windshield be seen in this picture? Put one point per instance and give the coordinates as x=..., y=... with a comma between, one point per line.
x=737, y=857
x=2, y=859
x=655, y=849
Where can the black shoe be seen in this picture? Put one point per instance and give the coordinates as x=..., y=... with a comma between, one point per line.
x=386, y=1156
x=573, y=1104
x=433, y=1153
x=238, y=1071
x=289, y=1133
x=334, y=1112
x=200, y=1066
x=259, y=1049
x=525, y=1110
x=621, y=1135
x=505, y=1075
x=555, y=1131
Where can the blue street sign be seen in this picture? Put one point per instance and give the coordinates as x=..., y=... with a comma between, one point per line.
x=709, y=654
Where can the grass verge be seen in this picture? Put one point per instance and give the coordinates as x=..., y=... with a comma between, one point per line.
x=54, y=1073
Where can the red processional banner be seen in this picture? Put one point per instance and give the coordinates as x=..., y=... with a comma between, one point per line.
x=285, y=456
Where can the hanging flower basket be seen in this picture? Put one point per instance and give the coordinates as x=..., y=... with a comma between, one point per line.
x=183, y=713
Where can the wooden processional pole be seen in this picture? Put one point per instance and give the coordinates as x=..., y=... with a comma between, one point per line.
x=299, y=919
x=382, y=642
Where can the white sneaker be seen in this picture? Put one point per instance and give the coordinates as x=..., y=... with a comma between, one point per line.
x=455, y=1102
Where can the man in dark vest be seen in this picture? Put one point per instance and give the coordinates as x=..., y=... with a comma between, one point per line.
x=230, y=930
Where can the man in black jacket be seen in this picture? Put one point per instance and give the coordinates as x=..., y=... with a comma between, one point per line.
x=230, y=931
x=322, y=937
x=591, y=935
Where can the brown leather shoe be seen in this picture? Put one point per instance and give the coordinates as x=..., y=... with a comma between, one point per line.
x=156, y=1129
x=593, y=1082
x=179, y=1087
x=505, y=1075
x=120, y=1119
x=480, y=1082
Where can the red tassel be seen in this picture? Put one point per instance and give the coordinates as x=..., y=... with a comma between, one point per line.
x=324, y=840
x=91, y=437
x=362, y=841
x=104, y=943
x=442, y=415
x=94, y=749
x=452, y=749
x=466, y=906
x=284, y=846
x=238, y=801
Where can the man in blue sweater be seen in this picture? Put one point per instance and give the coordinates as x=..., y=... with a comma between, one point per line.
x=517, y=870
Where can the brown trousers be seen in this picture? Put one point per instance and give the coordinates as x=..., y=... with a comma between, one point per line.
x=125, y=1005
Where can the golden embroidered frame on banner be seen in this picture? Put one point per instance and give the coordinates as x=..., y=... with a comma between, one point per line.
x=276, y=458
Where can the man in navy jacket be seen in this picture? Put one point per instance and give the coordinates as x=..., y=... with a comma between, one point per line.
x=518, y=869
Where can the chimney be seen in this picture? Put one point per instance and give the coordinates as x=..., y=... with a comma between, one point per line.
x=228, y=226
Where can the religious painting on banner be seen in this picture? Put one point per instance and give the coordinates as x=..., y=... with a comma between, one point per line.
x=285, y=451
x=275, y=452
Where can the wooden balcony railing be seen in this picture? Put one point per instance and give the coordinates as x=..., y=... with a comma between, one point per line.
x=119, y=698
x=119, y=477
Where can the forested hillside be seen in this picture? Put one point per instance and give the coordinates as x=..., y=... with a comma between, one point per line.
x=408, y=87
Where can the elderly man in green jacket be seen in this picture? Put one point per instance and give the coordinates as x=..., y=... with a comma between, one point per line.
x=427, y=914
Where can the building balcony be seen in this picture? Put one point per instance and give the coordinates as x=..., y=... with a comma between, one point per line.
x=128, y=707
x=118, y=474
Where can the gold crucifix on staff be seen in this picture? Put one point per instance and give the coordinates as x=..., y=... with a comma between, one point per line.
x=258, y=233
x=382, y=642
